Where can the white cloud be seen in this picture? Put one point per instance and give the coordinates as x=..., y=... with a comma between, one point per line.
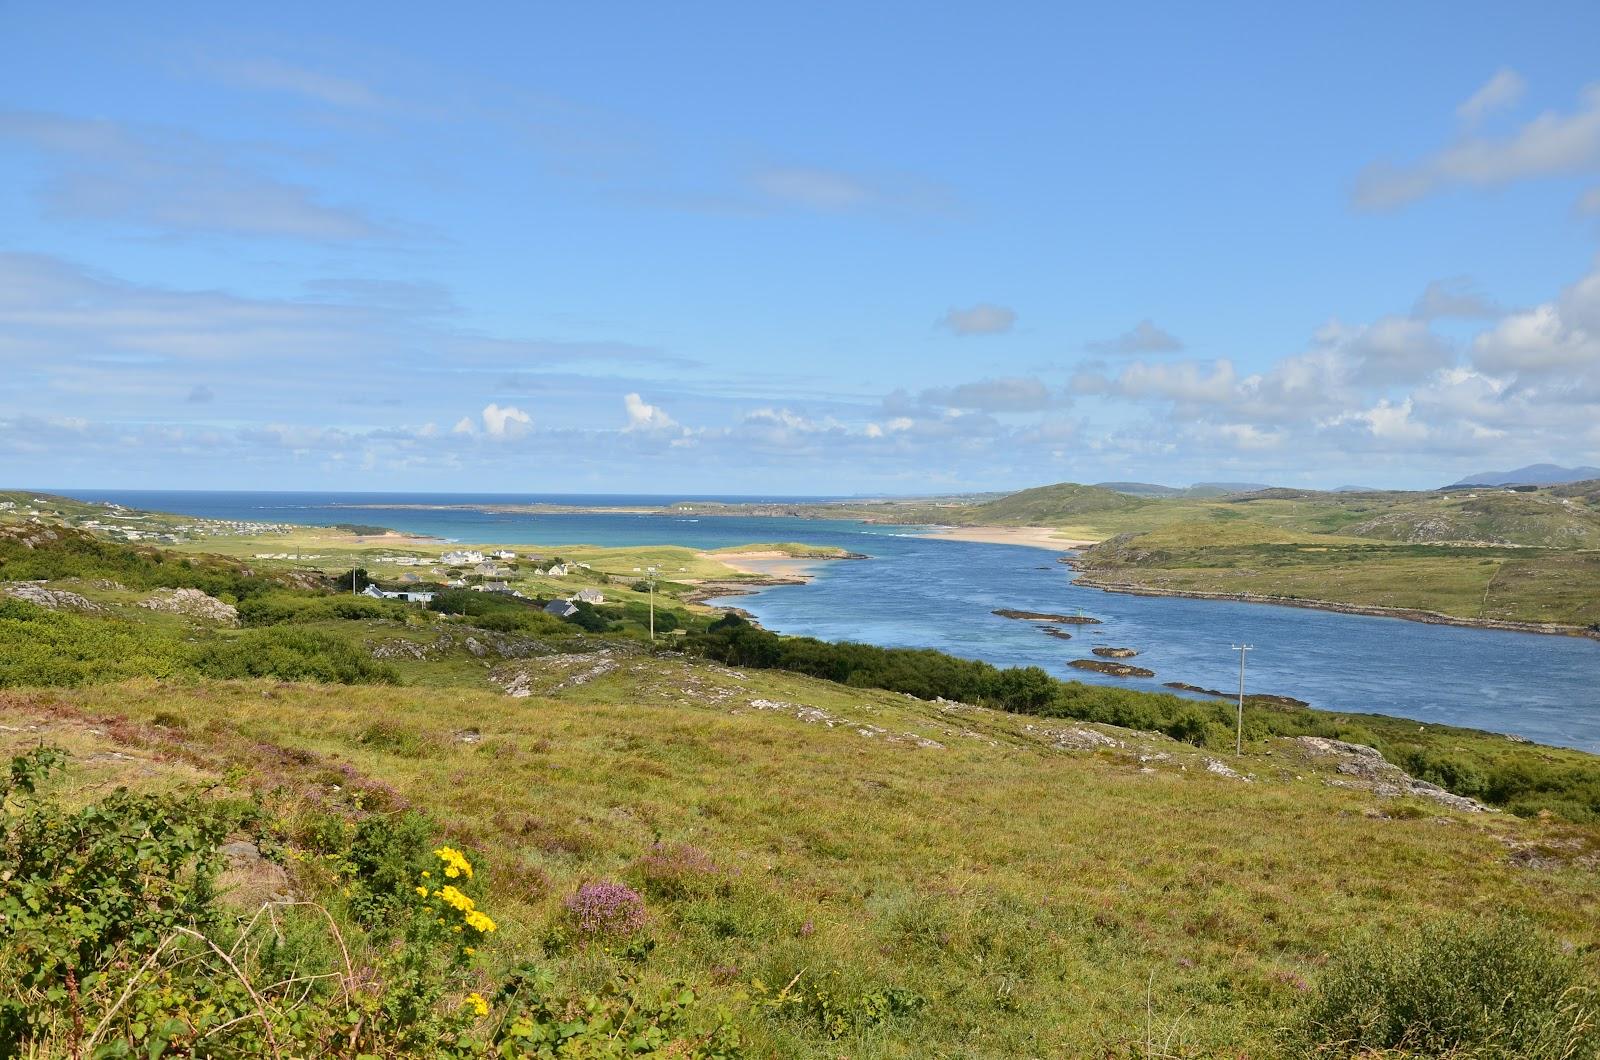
x=1143, y=337
x=1501, y=90
x=643, y=417
x=1027, y=394
x=823, y=190
x=1560, y=336
x=174, y=182
x=507, y=422
x=1549, y=144
x=982, y=319
x=1187, y=382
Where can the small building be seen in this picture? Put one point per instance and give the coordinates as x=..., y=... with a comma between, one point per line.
x=409, y=596
x=493, y=587
x=561, y=608
x=559, y=570
x=503, y=553
x=461, y=557
x=589, y=596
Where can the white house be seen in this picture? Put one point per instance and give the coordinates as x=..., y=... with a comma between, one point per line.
x=410, y=597
x=461, y=557
x=503, y=553
x=559, y=570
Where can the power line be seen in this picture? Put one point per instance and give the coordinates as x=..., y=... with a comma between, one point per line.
x=1238, y=739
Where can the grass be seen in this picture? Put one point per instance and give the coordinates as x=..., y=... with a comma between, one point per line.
x=1474, y=582
x=1021, y=900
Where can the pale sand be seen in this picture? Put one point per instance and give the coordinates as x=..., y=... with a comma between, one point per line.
x=1032, y=536
x=769, y=564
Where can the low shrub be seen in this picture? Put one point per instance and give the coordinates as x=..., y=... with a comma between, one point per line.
x=1462, y=986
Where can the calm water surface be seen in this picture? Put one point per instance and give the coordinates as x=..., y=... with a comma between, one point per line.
x=930, y=593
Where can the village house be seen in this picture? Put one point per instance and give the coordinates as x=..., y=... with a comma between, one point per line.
x=561, y=608
x=589, y=596
x=461, y=557
x=503, y=553
x=409, y=596
x=558, y=570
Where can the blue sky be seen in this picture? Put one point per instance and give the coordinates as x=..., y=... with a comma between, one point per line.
x=850, y=248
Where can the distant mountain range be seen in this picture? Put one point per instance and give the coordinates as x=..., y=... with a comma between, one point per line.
x=1532, y=475
x=1199, y=489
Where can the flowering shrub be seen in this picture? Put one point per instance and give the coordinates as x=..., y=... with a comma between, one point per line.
x=112, y=944
x=606, y=907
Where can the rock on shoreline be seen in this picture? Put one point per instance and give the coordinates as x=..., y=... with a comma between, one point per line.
x=1113, y=668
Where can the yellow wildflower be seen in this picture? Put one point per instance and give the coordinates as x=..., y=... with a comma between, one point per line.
x=422, y=891
x=468, y=950
x=479, y=1005
x=455, y=862
x=456, y=899
x=480, y=922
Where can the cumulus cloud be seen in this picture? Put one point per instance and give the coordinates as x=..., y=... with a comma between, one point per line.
x=644, y=417
x=982, y=319
x=506, y=422
x=1501, y=90
x=1392, y=350
x=173, y=182
x=1028, y=394
x=1143, y=337
x=1552, y=143
x=1187, y=383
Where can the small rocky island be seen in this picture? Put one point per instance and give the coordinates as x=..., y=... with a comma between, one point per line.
x=1115, y=669
x=1044, y=616
x=1115, y=653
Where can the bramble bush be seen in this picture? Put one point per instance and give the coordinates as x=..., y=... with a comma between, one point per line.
x=114, y=941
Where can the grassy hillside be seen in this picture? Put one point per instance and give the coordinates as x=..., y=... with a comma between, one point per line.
x=1054, y=505
x=929, y=880
x=1478, y=583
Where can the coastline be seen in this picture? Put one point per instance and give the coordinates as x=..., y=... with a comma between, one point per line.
x=1031, y=536
x=1410, y=614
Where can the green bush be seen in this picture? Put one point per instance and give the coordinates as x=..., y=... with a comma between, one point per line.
x=290, y=654
x=1460, y=987
x=60, y=552
x=53, y=648
x=275, y=608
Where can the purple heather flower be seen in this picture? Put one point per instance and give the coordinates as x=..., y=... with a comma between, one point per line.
x=606, y=907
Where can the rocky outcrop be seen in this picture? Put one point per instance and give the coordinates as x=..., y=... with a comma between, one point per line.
x=1112, y=668
x=193, y=603
x=1370, y=770
x=1114, y=653
x=54, y=599
x=553, y=673
x=1052, y=631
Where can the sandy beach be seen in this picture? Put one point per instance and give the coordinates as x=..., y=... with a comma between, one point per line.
x=1032, y=536
x=767, y=564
